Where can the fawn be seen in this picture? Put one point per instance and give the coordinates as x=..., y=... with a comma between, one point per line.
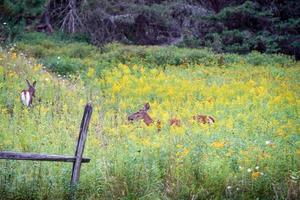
x=27, y=95
x=204, y=119
x=142, y=114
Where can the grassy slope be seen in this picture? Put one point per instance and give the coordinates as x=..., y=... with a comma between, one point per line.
x=134, y=161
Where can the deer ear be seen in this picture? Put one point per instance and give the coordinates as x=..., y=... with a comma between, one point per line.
x=34, y=83
x=28, y=83
x=146, y=106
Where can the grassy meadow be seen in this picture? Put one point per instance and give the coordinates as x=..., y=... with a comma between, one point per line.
x=251, y=152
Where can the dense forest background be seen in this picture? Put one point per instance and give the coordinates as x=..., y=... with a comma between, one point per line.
x=238, y=26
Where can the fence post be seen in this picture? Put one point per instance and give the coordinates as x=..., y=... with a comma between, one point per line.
x=80, y=144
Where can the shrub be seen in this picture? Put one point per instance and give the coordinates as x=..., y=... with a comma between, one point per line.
x=256, y=58
x=63, y=65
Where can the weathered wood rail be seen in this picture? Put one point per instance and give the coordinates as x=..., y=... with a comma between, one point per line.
x=39, y=157
x=77, y=159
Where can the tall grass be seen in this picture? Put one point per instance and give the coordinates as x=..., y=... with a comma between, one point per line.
x=252, y=151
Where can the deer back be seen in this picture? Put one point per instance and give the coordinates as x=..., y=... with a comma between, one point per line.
x=27, y=95
x=204, y=119
x=175, y=122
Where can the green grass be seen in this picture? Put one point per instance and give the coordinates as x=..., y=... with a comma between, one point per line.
x=255, y=100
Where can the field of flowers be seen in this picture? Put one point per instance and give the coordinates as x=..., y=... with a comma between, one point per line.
x=251, y=152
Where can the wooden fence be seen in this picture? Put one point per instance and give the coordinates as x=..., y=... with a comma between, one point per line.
x=77, y=159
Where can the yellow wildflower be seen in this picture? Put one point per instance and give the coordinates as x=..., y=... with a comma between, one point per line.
x=185, y=152
x=90, y=73
x=255, y=175
x=12, y=74
x=95, y=142
x=116, y=88
x=37, y=67
x=1, y=70
x=178, y=130
x=146, y=142
x=132, y=137
x=13, y=55
x=135, y=67
x=276, y=100
x=156, y=145
x=229, y=123
x=44, y=110
x=124, y=68
x=251, y=83
x=170, y=92
x=260, y=91
x=218, y=144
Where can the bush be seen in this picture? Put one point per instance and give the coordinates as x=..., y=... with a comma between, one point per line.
x=255, y=58
x=63, y=65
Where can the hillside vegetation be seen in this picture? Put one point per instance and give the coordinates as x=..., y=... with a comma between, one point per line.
x=64, y=55
x=252, y=151
x=236, y=26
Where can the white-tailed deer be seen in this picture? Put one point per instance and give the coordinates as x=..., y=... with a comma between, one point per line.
x=27, y=95
x=175, y=122
x=142, y=114
x=204, y=119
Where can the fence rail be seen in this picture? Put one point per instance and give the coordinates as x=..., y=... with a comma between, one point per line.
x=77, y=159
x=39, y=157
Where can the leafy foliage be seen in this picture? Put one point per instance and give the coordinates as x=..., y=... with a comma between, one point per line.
x=15, y=15
x=237, y=26
x=67, y=56
x=253, y=26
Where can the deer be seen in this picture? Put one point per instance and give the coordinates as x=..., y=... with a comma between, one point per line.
x=142, y=114
x=27, y=95
x=175, y=122
x=204, y=119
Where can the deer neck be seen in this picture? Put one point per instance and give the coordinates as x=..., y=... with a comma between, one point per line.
x=147, y=119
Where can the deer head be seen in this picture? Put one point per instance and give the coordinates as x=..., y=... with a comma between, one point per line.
x=27, y=95
x=142, y=115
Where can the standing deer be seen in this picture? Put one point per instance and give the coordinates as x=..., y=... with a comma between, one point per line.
x=27, y=95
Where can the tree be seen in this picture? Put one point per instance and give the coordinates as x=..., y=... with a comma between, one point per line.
x=15, y=15
x=71, y=21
